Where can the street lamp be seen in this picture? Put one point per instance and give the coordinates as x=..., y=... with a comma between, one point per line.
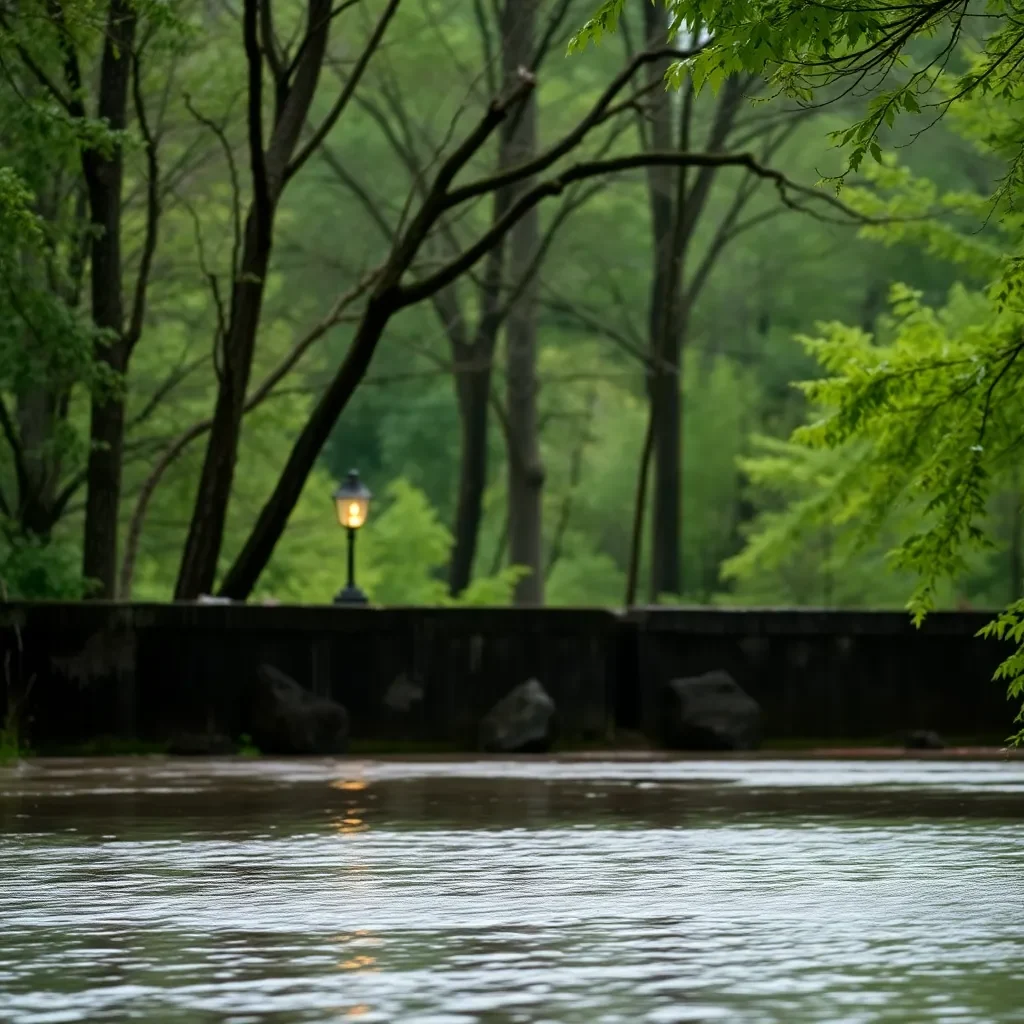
x=352, y=501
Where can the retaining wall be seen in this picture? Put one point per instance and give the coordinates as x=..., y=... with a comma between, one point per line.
x=413, y=675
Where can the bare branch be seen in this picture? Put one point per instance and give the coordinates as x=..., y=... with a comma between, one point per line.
x=600, y=112
x=592, y=321
x=152, y=212
x=589, y=169
x=487, y=45
x=555, y=22
x=350, y=182
x=271, y=50
x=340, y=9
x=346, y=93
x=177, y=376
x=236, y=189
x=435, y=203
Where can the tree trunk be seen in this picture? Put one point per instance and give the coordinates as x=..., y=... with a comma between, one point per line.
x=270, y=172
x=666, y=400
x=525, y=468
x=103, y=494
x=474, y=363
x=666, y=189
x=639, y=512
x=104, y=174
x=252, y=560
x=206, y=529
x=473, y=391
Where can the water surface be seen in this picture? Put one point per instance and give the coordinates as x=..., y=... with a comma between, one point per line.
x=520, y=891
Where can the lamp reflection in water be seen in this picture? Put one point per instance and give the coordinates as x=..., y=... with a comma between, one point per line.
x=349, y=825
x=359, y=961
x=351, y=821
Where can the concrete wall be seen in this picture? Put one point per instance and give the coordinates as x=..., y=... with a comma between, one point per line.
x=148, y=671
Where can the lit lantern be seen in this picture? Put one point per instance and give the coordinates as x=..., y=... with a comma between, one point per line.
x=352, y=502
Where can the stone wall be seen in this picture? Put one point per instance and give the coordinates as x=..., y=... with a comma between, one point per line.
x=412, y=675
x=427, y=676
x=831, y=675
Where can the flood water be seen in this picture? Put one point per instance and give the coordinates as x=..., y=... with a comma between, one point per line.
x=530, y=891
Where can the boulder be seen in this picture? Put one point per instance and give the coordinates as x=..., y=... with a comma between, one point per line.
x=402, y=694
x=924, y=739
x=286, y=718
x=709, y=712
x=522, y=722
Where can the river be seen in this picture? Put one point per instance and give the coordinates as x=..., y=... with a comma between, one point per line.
x=446, y=892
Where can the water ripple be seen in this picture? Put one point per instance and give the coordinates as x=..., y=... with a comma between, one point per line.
x=434, y=897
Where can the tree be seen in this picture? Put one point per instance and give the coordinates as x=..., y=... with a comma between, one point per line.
x=46, y=341
x=930, y=415
x=294, y=76
x=474, y=310
x=525, y=469
x=389, y=293
x=55, y=45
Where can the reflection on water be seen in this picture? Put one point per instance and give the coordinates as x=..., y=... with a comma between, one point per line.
x=512, y=892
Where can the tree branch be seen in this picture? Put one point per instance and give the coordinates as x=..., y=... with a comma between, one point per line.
x=271, y=51
x=236, y=189
x=598, y=114
x=72, y=106
x=340, y=9
x=152, y=212
x=346, y=93
x=257, y=157
x=435, y=202
x=419, y=290
x=179, y=374
x=197, y=430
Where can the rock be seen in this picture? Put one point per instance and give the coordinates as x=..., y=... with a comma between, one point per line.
x=200, y=744
x=402, y=694
x=522, y=722
x=924, y=739
x=287, y=719
x=709, y=712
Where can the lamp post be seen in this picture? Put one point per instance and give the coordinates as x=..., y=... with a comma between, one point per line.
x=352, y=501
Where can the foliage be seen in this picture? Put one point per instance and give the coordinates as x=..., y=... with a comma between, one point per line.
x=401, y=429
x=33, y=568
x=915, y=422
x=915, y=427
x=809, y=52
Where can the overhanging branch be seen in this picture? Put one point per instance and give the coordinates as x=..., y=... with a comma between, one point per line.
x=600, y=112
x=422, y=289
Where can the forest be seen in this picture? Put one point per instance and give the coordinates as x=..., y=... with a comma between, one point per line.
x=607, y=304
